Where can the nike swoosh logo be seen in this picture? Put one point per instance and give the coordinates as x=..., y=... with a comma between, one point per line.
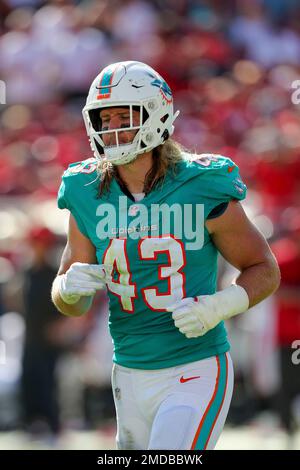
x=182, y=380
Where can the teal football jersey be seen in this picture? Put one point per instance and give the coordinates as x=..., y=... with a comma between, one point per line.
x=155, y=252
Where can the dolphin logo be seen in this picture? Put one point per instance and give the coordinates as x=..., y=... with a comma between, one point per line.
x=163, y=86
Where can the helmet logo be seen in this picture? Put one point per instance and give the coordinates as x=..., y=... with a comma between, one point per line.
x=164, y=89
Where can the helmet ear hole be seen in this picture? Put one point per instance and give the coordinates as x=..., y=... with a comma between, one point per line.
x=164, y=118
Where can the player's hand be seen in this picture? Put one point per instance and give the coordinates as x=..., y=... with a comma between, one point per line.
x=194, y=317
x=81, y=279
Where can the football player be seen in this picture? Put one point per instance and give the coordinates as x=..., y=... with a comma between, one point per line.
x=147, y=221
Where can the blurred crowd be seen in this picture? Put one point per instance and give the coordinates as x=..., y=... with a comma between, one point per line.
x=231, y=66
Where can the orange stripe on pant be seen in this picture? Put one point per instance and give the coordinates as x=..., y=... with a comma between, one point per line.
x=223, y=378
x=220, y=405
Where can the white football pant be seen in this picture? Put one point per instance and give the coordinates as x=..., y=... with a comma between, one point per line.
x=176, y=408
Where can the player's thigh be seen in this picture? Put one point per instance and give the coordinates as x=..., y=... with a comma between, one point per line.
x=194, y=413
x=133, y=430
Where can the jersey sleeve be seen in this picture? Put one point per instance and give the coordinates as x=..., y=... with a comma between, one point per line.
x=65, y=200
x=220, y=181
x=228, y=184
x=62, y=200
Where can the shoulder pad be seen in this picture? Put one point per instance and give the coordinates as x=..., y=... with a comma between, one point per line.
x=220, y=175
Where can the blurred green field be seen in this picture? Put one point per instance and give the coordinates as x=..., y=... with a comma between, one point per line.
x=238, y=438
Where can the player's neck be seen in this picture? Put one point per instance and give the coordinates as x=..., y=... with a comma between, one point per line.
x=133, y=174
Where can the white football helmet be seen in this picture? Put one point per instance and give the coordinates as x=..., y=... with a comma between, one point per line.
x=140, y=87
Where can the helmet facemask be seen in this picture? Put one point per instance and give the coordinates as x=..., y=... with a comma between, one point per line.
x=123, y=148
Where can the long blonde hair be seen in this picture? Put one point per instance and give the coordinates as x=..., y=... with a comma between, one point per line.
x=165, y=156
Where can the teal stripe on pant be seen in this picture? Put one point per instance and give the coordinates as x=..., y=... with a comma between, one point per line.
x=215, y=406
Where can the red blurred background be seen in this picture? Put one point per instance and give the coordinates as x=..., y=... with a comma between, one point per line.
x=231, y=66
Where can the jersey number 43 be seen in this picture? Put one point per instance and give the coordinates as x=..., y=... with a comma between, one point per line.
x=116, y=260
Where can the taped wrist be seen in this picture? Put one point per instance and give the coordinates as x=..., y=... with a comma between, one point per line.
x=231, y=301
